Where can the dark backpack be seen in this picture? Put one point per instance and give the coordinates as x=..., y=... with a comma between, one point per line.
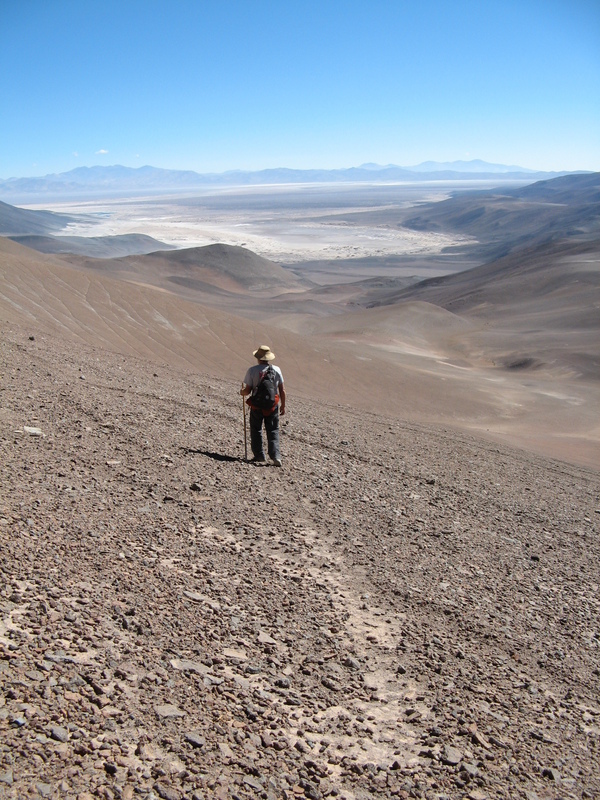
x=265, y=397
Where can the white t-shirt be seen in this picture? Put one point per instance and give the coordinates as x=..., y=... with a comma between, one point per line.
x=255, y=373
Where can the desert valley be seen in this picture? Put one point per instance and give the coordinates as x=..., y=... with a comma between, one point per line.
x=409, y=607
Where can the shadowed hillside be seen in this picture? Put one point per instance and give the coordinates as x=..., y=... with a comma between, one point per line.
x=219, y=266
x=34, y=229
x=94, y=246
x=16, y=221
x=542, y=303
x=504, y=220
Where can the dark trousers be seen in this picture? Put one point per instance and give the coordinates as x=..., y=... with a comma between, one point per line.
x=271, y=424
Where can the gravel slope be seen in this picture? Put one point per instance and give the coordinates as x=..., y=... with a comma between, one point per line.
x=399, y=611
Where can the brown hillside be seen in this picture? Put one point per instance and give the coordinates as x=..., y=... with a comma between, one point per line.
x=199, y=269
x=400, y=611
x=410, y=369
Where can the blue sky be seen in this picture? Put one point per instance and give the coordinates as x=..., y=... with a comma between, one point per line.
x=213, y=85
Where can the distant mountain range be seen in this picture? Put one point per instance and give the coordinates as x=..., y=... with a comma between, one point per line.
x=474, y=166
x=147, y=180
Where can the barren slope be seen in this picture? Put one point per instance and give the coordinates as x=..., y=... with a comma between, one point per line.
x=14, y=221
x=538, y=307
x=217, y=266
x=503, y=220
x=95, y=246
x=411, y=369
x=397, y=612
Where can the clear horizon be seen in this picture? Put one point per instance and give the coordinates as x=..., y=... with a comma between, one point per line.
x=218, y=86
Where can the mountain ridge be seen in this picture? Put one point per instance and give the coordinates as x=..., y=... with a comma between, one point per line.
x=22, y=221
x=503, y=220
x=117, y=178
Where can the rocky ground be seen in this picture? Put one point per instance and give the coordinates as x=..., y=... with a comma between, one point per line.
x=399, y=611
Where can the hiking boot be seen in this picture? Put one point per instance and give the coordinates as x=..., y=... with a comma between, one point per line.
x=258, y=460
x=276, y=461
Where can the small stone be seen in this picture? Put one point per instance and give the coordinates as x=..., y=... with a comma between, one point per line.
x=33, y=432
x=266, y=739
x=186, y=665
x=34, y=674
x=168, y=711
x=226, y=751
x=59, y=734
x=551, y=774
x=479, y=738
x=45, y=789
x=471, y=770
x=6, y=777
x=234, y=655
x=166, y=792
x=195, y=739
x=451, y=756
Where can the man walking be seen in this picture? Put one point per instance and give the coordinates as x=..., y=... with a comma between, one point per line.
x=264, y=384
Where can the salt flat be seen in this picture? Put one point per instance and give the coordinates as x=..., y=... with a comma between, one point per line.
x=289, y=224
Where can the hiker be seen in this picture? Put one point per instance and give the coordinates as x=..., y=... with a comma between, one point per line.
x=264, y=383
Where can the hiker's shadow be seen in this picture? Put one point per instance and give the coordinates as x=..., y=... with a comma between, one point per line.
x=210, y=454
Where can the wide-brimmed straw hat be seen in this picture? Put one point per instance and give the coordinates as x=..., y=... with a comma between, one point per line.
x=264, y=353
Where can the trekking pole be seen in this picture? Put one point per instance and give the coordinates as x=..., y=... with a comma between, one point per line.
x=245, y=434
